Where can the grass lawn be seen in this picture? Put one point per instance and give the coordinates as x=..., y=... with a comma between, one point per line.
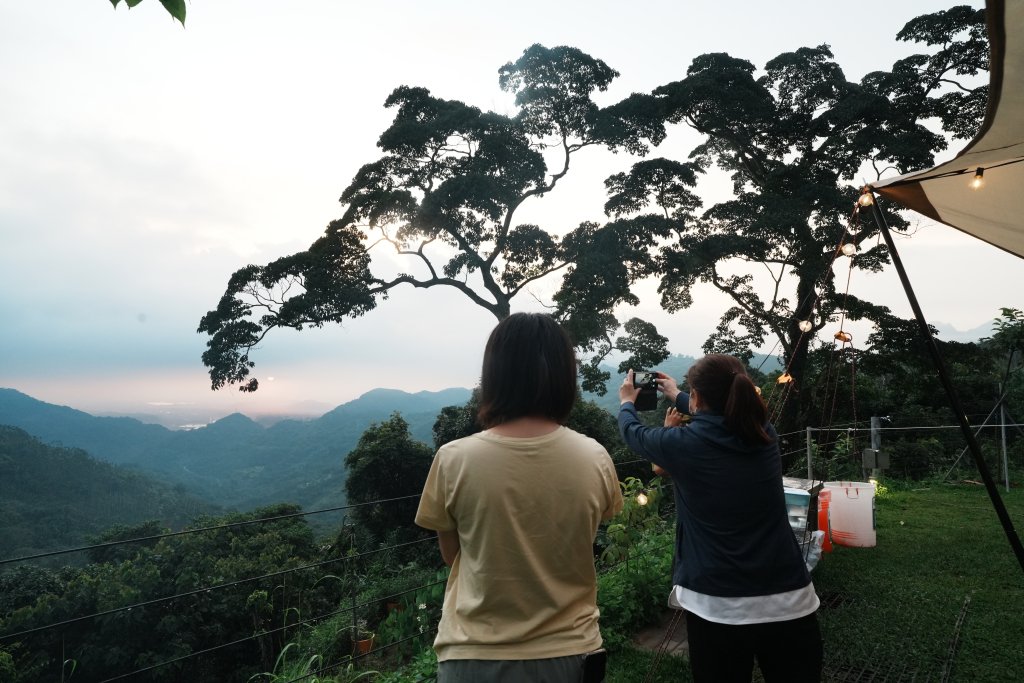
x=891, y=613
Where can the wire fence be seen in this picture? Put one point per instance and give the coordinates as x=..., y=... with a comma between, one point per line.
x=827, y=449
x=60, y=626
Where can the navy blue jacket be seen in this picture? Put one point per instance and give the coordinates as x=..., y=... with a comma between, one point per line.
x=733, y=537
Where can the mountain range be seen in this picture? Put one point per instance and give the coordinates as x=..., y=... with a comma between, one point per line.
x=234, y=462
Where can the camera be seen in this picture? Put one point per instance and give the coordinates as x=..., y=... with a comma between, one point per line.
x=647, y=383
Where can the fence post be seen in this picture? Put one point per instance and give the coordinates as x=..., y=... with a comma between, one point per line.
x=1002, y=429
x=876, y=442
x=810, y=458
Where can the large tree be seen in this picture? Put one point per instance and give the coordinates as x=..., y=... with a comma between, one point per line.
x=444, y=196
x=794, y=138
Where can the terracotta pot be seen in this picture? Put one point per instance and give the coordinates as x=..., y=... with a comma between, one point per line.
x=364, y=645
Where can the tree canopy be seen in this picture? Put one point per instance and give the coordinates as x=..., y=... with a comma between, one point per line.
x=794, y=138
x=444, y=196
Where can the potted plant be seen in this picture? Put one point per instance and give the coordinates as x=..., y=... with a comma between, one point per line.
x=362, y=638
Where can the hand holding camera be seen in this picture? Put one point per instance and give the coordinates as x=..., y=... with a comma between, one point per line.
x=641, y=387
x=647, y=383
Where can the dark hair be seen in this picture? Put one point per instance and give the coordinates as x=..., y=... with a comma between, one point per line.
x=529, y=370
x=723, y=386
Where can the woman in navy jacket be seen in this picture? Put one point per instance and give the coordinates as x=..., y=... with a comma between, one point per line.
x=739, y=572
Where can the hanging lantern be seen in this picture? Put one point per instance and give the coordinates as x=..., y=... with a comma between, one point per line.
x=849, y=249
x=844, y=337
x=866, y=198
x=785, y=378
x=805, y=325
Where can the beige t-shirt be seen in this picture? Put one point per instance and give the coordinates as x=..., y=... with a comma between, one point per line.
x=523, y=585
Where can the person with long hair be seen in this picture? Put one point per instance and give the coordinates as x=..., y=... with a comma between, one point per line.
x=738, y=570
x=516, y=508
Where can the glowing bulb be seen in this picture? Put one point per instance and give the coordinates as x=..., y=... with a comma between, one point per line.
x=785, y=378
x=866, y=198
x=979, y=178
x=805, y=325
x=641, y=498
x=844, y=337
x=849, y=249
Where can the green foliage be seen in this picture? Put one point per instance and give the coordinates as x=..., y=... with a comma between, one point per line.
x=386, y=463
x=53, y=497
x=7, y=672
x=108, y=646
x=411, y=625
x=457, y=422
x=422, y=668
x=631, y=595
x=123, y=532
x=176, y=8
x=638, y=516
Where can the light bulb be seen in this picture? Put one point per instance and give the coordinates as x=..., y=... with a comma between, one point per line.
x=641, y=498
x=844, y=337
x=979, y=178
x=866, y=198
x=849, y=249
x=805, y=325
x=785, y=378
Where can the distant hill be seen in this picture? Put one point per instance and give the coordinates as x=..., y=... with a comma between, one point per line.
x=235, y=462
x=53, y=497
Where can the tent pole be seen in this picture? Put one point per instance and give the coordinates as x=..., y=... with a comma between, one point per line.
x=954, y=400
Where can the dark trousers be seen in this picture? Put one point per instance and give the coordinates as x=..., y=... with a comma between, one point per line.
x=786, y=651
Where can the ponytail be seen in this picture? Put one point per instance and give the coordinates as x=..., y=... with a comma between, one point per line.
x=723, y=385
x=745, y=412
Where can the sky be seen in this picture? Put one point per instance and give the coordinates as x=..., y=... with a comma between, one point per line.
x=141, y=163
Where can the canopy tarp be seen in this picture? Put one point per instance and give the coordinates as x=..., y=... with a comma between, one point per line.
x=993, y=212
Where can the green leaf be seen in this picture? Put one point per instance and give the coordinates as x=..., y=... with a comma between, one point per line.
x=114, y=3
x=132, y=3
x=175, y=7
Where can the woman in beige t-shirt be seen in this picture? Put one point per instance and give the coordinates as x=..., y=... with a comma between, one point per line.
x=516, y=508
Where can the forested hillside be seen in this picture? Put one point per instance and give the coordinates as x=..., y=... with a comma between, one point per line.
x=235, y=462
x=53, y=497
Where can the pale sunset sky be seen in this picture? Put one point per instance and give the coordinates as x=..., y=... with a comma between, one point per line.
x=141, y=163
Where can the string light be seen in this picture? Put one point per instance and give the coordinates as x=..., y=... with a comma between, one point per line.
x=979, y=178
x=805, y=325
x=641, y=498
x=866, y=198
x=844, y=337
x=849, y=249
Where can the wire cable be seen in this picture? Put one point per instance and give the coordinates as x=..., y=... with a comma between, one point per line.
x=168, y=598
x=216, y=527
x=266, y=633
